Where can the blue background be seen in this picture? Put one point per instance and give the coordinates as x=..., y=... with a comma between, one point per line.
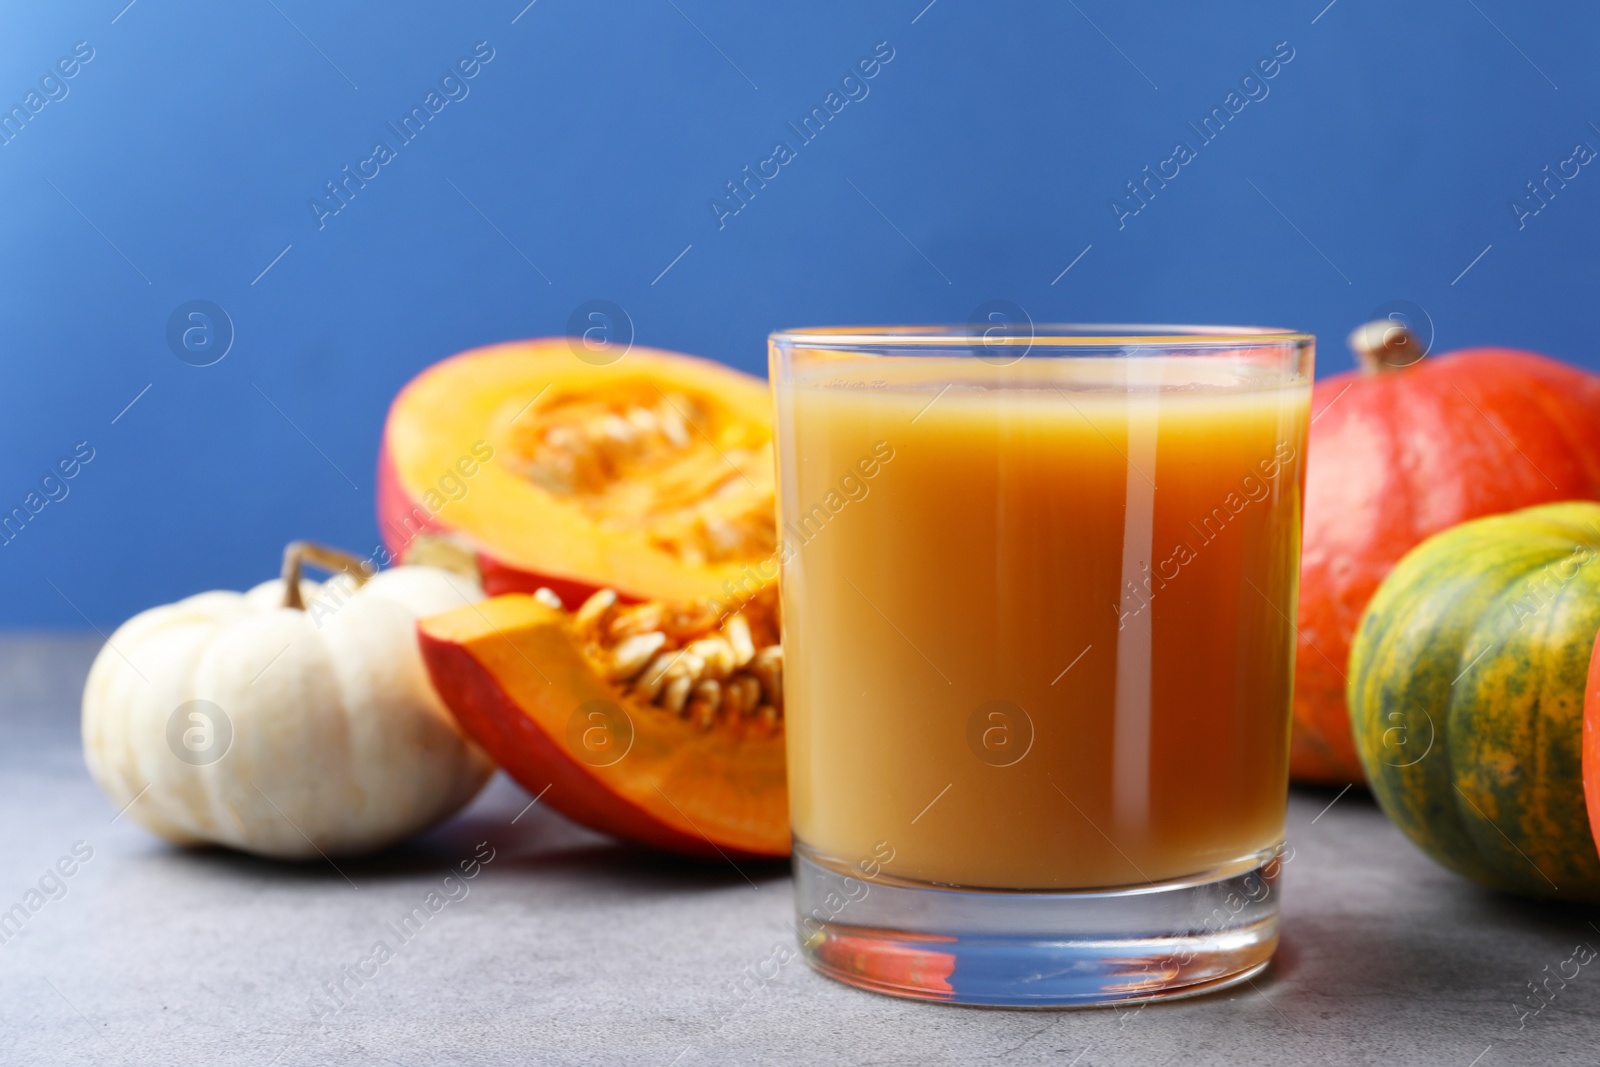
x=583, y=161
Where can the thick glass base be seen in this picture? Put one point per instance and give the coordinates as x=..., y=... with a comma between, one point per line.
x=1032, y=949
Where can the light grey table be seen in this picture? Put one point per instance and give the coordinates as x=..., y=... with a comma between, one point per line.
x=569, y=948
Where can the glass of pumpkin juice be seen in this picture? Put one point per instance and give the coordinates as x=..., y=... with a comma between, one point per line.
x=1038, y=591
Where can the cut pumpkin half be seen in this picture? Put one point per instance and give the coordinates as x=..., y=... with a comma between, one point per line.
x=656, y=723
x=652, y=476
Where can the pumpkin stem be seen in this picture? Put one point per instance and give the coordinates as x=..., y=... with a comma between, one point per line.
x=296, y=554
x=1385, y=345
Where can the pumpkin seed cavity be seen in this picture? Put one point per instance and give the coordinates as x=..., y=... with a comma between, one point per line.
x=676, y=464
x=688, y=659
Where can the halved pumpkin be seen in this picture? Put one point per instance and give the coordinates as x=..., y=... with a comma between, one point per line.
x=652, y=476
x=655, y=723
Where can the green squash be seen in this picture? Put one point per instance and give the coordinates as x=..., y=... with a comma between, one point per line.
x=1466, y=691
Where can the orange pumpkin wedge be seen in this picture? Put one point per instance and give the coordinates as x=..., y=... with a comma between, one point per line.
x=674, y=740
x=652, y=475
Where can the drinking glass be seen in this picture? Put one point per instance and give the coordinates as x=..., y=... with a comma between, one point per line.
x=1038, y=597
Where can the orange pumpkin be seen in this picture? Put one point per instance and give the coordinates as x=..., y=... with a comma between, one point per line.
x=655, y=723
x=1401, y=449
x=640, y=488
x=651, y=475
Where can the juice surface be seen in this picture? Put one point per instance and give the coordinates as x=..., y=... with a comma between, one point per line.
x=1037, y=618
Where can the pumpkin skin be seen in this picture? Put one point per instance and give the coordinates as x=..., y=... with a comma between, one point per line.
x=1397, y=455
x=1467, y=683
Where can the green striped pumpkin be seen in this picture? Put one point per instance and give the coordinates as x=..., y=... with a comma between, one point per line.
x=1466, y=689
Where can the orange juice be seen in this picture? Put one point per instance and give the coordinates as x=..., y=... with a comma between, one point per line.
x=1037, y=618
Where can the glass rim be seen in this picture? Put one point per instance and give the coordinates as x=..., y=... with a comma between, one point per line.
x=1049, y=335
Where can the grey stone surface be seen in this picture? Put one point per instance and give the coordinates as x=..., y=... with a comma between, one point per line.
x=569, y=948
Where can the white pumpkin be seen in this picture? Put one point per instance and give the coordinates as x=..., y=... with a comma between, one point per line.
x=286, y=731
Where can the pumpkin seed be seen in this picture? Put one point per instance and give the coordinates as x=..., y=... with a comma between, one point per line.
x=633, y=654
x=742, y=695
x=640, y=619
x=594, y=609
x=648, y=687
x=704, y=704
x=768, y=668
x=737, y=631
x=717, y=653
x=676, y=694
